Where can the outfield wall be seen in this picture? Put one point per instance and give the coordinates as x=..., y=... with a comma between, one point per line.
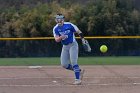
x=47, y=47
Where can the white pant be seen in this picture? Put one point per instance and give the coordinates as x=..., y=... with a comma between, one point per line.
x=69, y=54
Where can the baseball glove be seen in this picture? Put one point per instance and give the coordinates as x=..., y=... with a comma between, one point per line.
x=86, y=46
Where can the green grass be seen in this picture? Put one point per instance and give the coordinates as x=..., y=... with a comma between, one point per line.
x=110, y=61
x=82, y=61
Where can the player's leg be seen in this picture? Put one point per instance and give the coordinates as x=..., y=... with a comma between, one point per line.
x=74, y=58
x=65, y=58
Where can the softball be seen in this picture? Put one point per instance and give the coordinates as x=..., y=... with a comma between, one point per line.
x=103, y=48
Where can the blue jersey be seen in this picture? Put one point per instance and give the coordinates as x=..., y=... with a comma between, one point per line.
x=68, y=29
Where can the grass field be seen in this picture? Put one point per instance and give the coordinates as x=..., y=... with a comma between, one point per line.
x=129, y=60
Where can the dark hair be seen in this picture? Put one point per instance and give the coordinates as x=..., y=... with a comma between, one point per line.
x=59, y=14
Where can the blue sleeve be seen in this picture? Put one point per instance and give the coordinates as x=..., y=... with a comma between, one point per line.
x=74, y=28
x=55, y=32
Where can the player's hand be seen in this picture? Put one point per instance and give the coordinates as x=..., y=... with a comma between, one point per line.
x=86, y=45
x=60, y=38
x=63, y=37
x=84, y=41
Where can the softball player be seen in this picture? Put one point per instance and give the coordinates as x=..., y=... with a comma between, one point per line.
x=64, y=32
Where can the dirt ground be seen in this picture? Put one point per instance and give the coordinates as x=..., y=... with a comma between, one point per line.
x=55, y=79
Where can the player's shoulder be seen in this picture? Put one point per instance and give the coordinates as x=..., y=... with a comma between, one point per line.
x=55, y=27
x=69, y=23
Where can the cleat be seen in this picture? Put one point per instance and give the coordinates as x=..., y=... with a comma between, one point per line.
x=77, y=82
